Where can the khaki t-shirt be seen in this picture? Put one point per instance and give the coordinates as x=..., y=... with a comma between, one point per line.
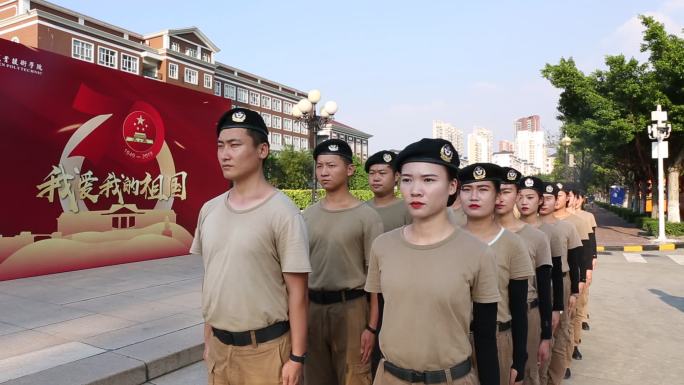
x=555, y=241
x=569, y=240
x=393, y=215
x=513, y=262
x=588, y=217
x=457, y=216
x=429, y=291
x=580, y=224
x=245, y=253
x=339, y=245
x=540, y=254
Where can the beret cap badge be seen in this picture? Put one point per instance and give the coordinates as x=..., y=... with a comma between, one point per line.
x=559, y=185
x=446, y=153
x=239, y=117
x=479, y=173
x=549, y=189
x=387, y=157
x=333, y=147
x=511, y=175
x=529, y=182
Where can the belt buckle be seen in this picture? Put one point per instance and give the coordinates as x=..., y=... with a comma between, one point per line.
x=343, y=295
x=417, y=376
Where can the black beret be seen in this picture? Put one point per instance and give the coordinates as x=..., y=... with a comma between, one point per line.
x=333, y=147
x=551, y=188
x=242, y=118
x=380, y=157
x=437, y=151
x=480, y=172
x=562, y=187
x=531, y=182
x=510, y=175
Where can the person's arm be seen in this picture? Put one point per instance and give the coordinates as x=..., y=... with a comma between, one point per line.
x=574, y=255
x=557, y=279
x=484, y=338
x=517, y=291
x=544, y=293
x=368, y=336
x=298, y=308
x=207, y=336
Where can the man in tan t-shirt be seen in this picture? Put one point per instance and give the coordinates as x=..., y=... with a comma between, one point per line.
x=253, y=243
x=480, y=186
x=382, y=179
x=341, y=229
x=456, y=214
x=578, y=200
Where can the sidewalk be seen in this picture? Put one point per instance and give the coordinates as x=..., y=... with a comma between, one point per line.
x=615, y=233
x=123, y=324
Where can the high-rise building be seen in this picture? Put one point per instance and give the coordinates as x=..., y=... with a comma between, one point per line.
x=447, y=131
x=530, y=143
x=480, y=143
x=506, y=146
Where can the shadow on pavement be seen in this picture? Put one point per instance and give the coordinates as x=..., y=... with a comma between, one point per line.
x=674, y=301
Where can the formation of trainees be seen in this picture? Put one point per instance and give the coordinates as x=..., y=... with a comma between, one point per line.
x=477, y=275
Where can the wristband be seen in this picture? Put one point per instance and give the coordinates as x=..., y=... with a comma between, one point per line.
x=299, y=359
x=370, y=329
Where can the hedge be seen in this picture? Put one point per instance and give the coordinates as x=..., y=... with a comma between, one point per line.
x=302, y=198
x=644, y=222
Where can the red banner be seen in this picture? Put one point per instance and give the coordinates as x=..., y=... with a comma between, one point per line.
x=99, y=167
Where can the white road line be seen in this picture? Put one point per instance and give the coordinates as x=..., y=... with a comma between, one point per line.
x=679, y=258
x=634, y=258
x=33, y=362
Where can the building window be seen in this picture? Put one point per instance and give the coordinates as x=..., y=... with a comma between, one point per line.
x=191, y=76
x=276, y=105
x=207, y=81
x=305, y=130
x=287, y=108
x=288, y=140
x=267, y=119
x=296, y=143
x=305, y=143
x=191, y=52
x=129, y=63
x=173, y=70
x=175, y=46
x=242, y=95
x=253, y=98
x=266, y=101
x=277, y=122
x=206, y=57
x=287, y=125
x=106, y=57
x=229, y=91
x=276, y=139
x=217, y=88
x=81, y=50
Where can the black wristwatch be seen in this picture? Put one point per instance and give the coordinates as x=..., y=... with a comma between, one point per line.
x=370, y=329
x=299, y=359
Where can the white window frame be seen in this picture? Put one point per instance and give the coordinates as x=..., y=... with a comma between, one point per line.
x=115, y=56
x=254, y=98
x=266, y=102
x=175, y=46
x=83, y=49
x=286, y=139
x=134, y=60
x=276, y=105
x=305, y=143
x=242, y=92
x=173, y=70
x=229, y=91
x=217, y=88
x=208, y=80
x=206, y=57
x=191, y=76
x=277, y=122
x=277, y=139
x=192, y=52
x=287, y=125
x=287, y=108
x=267, y=119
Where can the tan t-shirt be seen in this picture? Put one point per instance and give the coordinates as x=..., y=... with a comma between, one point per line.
x=555, y=242
x=588, y=217
x=393, y=215
x=569, y=240
x=457, y=216
x=339, y=245
x=513, y=262
x=429, y=291
x=540, y=254
x=245, y=253
x=580, y=224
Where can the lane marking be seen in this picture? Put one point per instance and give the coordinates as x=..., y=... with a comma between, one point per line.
x=634, y=258
x=678, y=258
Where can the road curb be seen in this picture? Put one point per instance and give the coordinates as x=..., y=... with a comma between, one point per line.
x=630, y=248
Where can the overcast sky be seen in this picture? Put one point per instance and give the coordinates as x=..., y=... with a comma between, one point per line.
x=394, y=66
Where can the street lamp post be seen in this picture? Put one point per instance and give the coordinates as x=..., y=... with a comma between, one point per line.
x=305, y=112
x=566, y=141
x=659, y=130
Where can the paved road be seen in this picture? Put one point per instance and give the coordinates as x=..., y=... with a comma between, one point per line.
x=637, y=324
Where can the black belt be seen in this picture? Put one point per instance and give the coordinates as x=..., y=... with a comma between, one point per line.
x=565, y=273
x=503, y=326
x=533, y=304
x=245, y=338
x=323, y=297
x=428, y=377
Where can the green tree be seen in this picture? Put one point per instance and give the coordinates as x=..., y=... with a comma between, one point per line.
x=359, y=181
x=290, y=169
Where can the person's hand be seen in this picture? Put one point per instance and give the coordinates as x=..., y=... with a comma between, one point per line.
x=367, y=343
x=571, y=304
x=514, y=374
x=589, y=275
x=582, y=285
x=544, y=352
x=292, y=373
x=594, y=263
x=555, y=321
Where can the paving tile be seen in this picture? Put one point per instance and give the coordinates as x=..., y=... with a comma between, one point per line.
x=129, y=308
x=30, y=313
x=84, y=327
x=193, y=374
x=7, y=329
x=26, y=341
